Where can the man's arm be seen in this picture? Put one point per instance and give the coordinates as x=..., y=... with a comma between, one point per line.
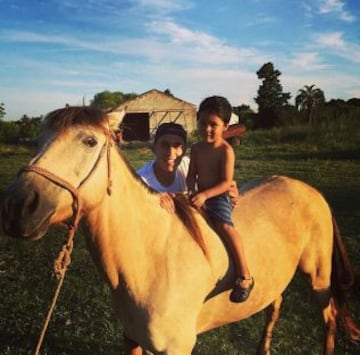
x=167, y=201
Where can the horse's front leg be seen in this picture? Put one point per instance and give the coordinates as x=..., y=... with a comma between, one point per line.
x=272, y=313
x=182, y=345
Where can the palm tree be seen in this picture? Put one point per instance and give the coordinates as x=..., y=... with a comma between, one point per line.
x=2, y=110
x=307, y=99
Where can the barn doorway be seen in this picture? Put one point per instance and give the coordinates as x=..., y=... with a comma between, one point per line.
x=136, y=126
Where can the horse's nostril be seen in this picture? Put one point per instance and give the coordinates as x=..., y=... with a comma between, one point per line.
x=33, y=202
x=25, y=214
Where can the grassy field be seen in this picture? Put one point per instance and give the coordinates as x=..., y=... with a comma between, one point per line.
x=83, y=322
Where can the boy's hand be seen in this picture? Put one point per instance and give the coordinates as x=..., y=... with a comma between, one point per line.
x=167, y=202
x=199, y=199
x=234, y=194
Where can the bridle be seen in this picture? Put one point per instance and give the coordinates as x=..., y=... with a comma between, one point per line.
x=74, y=191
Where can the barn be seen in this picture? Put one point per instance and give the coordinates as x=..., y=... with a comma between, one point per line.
x=147, y=111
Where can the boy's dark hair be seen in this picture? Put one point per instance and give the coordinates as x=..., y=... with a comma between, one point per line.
x=170, y=128
x=216, y=105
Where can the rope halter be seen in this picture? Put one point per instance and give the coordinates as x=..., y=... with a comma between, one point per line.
x=63, y=260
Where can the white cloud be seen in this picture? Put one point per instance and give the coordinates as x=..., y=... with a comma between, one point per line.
x=347, y=17
x=331, y=39
x=327, y=6
x=307, y=61
x=179, y=34
x=336, y=44
x=262, y=19
x=308, y=9
x=336, y=7
x=200, y=47
x=140, y=47
x=172, y=43
x=169, y=5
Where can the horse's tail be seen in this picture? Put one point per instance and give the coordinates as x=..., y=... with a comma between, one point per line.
x=343, y=283
x=186, y=215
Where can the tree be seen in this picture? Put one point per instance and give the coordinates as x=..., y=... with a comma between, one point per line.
x=246, y=115
x=271, y=98
x=354, y=101
x=2, y=110
x=108, y=100
x=338, y=110
x=29, y=127
x=9, y=132
x=308, y=99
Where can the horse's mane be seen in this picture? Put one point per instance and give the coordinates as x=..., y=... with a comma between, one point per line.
x=61, y=119
x=182, y=208
x=186, y=215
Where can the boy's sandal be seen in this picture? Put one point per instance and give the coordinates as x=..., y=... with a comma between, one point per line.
x=239, y=293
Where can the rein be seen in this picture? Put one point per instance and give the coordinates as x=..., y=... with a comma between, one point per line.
x=63, y=260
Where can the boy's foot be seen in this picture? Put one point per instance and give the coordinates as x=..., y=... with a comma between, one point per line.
x=242, y=289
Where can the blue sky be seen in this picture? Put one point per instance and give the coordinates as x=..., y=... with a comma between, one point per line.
x=57, y=52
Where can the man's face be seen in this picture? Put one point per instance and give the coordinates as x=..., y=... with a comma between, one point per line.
x=169, y=149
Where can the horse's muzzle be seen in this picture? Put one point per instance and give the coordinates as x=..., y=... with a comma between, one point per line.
x=25, y=213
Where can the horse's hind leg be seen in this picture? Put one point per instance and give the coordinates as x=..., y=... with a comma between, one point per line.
x=319, y=274
x=272, y=313
x=329, y=314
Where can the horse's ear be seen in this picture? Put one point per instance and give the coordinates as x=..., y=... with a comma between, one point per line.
x=115, y=118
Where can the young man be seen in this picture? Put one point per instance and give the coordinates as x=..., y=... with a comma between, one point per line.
x=211, y=173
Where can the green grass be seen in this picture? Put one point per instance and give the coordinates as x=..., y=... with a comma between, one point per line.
x=83, y=322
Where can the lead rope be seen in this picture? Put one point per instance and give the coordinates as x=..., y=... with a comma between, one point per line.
x=63, y=260
x=60, y=267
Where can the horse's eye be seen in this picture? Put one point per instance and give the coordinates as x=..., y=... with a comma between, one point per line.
x=90, y=141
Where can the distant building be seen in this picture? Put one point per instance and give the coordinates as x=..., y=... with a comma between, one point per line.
x=147, y=111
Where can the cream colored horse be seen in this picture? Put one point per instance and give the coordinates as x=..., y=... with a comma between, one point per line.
x=168, y=281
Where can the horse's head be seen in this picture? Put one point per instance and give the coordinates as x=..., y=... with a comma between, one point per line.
x=73, y=158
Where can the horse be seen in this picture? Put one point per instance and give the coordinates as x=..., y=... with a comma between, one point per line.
x=170, y=274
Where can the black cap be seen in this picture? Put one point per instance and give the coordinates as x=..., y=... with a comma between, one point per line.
x=170, y=128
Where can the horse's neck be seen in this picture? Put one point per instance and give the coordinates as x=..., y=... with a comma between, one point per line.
x=121, y=230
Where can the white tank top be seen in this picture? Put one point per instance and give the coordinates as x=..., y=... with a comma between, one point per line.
x=179, y=184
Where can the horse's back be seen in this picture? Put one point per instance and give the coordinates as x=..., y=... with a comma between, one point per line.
x=284, y=223
x=281, y=204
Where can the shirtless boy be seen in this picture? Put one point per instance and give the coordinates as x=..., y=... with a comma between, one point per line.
x=211, y=172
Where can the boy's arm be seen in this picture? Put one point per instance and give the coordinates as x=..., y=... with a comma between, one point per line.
x=191, y=176
x=234, y=195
